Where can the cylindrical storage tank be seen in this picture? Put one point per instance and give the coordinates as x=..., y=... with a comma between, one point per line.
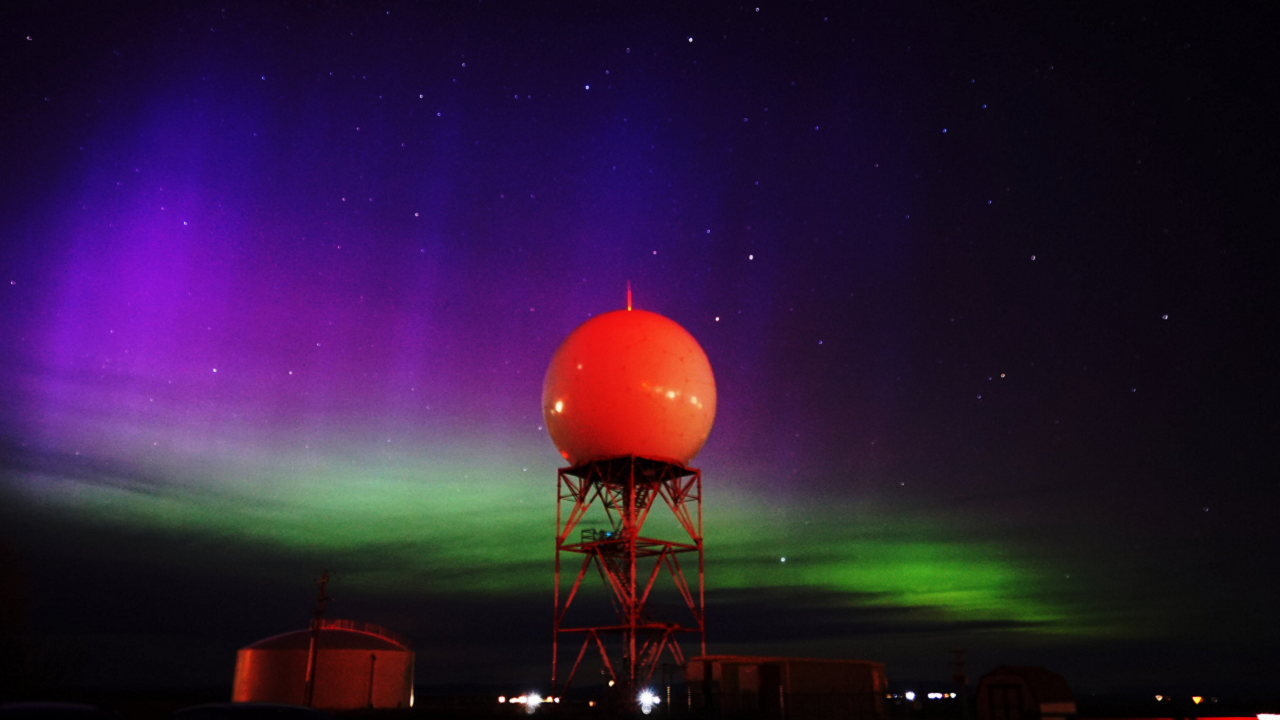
x=357, y=666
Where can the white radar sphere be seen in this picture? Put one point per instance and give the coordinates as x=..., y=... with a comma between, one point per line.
x=629, y=382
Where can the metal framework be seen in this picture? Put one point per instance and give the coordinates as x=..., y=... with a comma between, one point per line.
x=627, y=488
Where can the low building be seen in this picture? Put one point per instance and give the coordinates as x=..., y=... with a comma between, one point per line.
x=1024, y=692
x=357, y=665
x=783, y=687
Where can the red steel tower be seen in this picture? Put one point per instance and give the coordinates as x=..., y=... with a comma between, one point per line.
x=629, y=399
x=630, y=562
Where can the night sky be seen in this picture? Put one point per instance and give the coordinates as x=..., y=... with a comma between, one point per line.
x=988, y=292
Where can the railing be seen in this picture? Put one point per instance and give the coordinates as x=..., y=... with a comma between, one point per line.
x=366, y=628
x=593, y=535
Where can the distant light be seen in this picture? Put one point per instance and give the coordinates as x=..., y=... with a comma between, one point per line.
x=591, y=703
x=1159, y=698
x=530, y=701
x=610, y=683
x=1197, y=699
x=910, y=695
x=784, y=559
x=1268, y=716
x=588, y=87
x=502, y=698
x=935, y=696
x=690, y=39
x=647, y=700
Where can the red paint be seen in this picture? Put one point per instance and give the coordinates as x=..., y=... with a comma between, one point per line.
x=629, y=383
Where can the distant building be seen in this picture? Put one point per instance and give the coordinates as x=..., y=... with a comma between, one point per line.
x=1016, y=692
x=357, y=665
x=782, y=687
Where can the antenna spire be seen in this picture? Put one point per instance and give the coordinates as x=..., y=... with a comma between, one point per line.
x=628, y=296
x=317, y=622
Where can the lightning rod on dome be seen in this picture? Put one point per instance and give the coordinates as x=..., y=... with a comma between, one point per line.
x=628, y=296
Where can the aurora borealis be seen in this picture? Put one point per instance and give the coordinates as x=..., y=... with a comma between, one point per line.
x=992, y=330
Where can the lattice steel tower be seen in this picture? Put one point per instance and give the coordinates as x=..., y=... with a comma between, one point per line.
x=629, y=399
x=630, y=562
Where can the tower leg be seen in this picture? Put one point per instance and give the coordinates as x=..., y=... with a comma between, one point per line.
x=627, y=489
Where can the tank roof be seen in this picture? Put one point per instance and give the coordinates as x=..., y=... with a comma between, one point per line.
x=337, y=635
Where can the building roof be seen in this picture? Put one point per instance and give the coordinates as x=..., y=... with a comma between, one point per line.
x=337, y=635
x=775, y=659
x=1047, y=686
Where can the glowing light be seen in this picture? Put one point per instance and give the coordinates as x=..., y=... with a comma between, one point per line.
x=647, y=700
x=1159, y=698
x=530, y=701
x=935, y=696
x=610, y=683
x=502, y=698
x=1197, y=699
x=911, y=695
x=591, y=703
x=1268, y=716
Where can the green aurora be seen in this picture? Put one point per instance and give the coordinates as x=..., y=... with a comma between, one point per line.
x=455, y=527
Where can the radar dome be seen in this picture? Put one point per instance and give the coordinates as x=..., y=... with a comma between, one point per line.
x=629, y=382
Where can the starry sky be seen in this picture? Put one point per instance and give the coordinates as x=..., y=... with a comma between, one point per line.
x=988, y=292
